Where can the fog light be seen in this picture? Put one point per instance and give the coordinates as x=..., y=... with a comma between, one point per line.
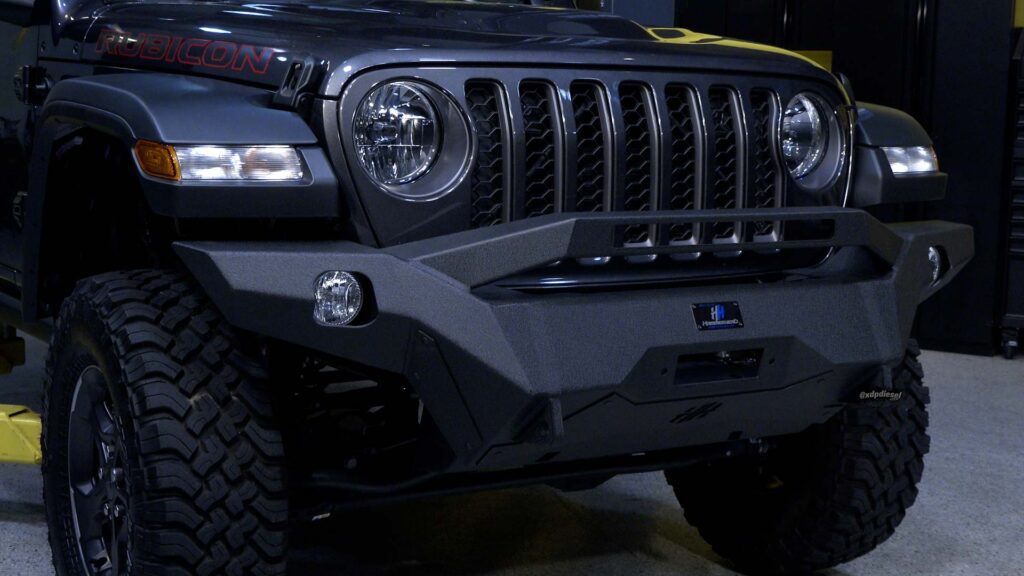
x=940, y=264
x=339, y=298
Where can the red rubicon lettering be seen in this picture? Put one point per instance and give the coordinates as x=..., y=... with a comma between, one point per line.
x=254, y=58
x=131, y=47
x=195, y=52
x=154, y=47
x=191, y=51
x=108, y=41
x=220, y=54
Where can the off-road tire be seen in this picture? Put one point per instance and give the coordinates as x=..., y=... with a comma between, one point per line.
x=204, y=459
x=826, y=497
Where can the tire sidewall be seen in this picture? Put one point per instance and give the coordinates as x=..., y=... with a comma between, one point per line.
x=845, y=486
x=80, y=341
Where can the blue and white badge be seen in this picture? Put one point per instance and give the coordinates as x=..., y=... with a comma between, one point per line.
x=718, y=316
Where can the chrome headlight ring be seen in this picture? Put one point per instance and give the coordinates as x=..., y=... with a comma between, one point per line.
x=812, y=143
x=411, y=139
x=397, y=133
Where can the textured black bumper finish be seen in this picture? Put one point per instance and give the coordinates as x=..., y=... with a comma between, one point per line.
x=518, y=379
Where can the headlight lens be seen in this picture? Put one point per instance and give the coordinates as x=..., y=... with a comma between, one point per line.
x=805, y=134
x=268, y=163
x=397, y=133
x=220, y=163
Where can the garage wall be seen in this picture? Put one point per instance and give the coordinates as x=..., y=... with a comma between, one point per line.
x=647, y=12
x=968, y=118
x=947, y=62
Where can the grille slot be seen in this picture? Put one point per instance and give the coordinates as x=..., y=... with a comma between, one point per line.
x=589, y=145
x=766, y=177
x=592, y=148
x=726, y=162
x=640, y=161
x=681, y=192
x=540, y=152
x=485, y=103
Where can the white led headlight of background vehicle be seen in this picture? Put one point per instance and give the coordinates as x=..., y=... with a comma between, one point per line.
x=912, y=160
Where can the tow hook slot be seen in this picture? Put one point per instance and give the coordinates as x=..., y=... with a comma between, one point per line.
x=545, y=423
x=721, y=366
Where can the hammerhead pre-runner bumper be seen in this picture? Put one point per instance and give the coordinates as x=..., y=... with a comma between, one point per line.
x=517, y=377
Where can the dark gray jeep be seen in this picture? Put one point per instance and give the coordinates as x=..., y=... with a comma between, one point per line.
x=298, y=257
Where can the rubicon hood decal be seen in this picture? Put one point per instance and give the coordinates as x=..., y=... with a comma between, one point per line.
x=197, y=52
x=257, y=43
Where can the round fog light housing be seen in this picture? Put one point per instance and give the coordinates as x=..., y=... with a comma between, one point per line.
x=939, y=263
x=338, y=298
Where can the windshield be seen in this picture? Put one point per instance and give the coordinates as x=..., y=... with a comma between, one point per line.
x=551, y=3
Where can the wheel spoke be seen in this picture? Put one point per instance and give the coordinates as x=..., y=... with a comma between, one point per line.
x=96, y=475
x=114, y=548
x=83, y=444
x=92, y=390
x=104, y=422
x=83, y=453
x=90, y=515
x=95, y=554
x=119, y=534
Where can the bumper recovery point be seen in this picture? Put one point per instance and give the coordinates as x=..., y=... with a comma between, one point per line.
x=516, y=378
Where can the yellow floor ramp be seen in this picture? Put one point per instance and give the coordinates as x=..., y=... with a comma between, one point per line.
x=19, y=435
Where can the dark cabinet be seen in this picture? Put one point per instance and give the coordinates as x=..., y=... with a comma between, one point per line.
x=1013, y=317
x=947, y=62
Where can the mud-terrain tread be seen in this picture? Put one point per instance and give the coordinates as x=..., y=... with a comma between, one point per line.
x=210, y=463
x=869, y=461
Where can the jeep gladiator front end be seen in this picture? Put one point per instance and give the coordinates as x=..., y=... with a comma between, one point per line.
x=357, y=251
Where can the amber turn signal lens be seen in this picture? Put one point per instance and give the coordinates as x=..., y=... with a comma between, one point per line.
x=158, y=160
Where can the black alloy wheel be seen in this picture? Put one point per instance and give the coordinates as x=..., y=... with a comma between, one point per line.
x=97, y=475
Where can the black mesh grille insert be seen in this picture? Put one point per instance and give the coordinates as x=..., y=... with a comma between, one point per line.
x=607, y=141
x=639, y=165
x=488, y=179
x=591, y=147
x=681, y=190
x=724, y=161
x=540, y=123
x=765, y=183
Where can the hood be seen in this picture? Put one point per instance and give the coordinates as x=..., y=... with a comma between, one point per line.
x=256, y=43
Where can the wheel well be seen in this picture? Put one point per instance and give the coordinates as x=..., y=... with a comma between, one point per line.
x=94, y=218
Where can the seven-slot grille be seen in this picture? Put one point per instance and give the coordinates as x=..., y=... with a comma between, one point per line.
x=593, y=146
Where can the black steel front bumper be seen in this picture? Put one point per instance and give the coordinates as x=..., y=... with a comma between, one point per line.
x=520, y=378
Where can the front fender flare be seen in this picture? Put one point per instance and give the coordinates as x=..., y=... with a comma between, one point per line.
x=176, y=109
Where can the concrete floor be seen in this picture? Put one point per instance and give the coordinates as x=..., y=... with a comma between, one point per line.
x=968, y=519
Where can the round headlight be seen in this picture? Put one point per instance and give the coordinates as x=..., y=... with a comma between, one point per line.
x=805, y=133
x=397, y=133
